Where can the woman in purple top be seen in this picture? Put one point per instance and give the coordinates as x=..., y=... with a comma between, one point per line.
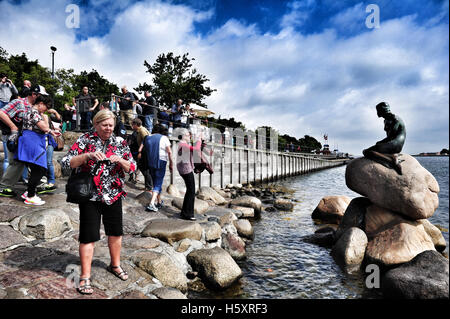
x=185, y=166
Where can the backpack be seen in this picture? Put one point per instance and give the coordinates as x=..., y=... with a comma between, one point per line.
x=133, y=144
x=120, y=130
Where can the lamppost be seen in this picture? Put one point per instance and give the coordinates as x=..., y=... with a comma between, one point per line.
x=53, y=61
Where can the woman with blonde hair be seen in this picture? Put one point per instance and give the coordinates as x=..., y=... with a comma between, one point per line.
x=108, y=158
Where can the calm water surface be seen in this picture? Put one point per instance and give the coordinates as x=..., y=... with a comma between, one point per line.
x=281, y=265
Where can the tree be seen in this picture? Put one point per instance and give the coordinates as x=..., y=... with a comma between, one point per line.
x=63, y=87
x=220, y=123
x=97, y=84
x=19, y=68
x=174, y=78
x=309, y=143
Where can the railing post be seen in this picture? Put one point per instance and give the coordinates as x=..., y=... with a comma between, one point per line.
x=172, y=177
x=211, y=162
x=248, y=166
x=222, y=168
x=239, y=167
x=231, y=165
x=255, y=156
x=261, y=168
x=77, y=108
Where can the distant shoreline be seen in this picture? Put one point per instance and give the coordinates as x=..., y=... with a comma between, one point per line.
x=429, y=155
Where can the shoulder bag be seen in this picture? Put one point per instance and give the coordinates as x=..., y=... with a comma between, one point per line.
x=80, y=185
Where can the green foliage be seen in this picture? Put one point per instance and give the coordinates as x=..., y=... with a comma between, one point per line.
x=309, y=143
x=444, y=151
x=97, y=84
x=63, y=87
x=173, y=78
x=71, y=85
x=18, y=68
x=220, y=123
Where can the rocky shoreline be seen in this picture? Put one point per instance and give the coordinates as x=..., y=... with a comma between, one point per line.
x=170, y=258
x=386, y=232
x=166, y=257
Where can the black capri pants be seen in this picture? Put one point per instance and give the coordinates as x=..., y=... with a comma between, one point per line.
x=189, y=197
x=91, y=214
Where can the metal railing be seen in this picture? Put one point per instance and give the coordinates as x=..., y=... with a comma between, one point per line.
x=221, y=134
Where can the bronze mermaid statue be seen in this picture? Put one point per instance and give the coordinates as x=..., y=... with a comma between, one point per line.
x=386, y=151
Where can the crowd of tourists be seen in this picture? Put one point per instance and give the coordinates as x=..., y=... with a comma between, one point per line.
x=30, y=130
x=127, y=107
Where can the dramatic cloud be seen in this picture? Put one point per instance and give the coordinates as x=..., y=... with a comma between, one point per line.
x=298, y=82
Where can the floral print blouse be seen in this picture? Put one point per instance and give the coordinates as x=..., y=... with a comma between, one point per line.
x=108, y=179
x=30, y=120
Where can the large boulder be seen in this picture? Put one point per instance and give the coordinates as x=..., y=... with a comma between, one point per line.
x=9, y=237
x=70, y=137
x=354, y=216
x=414, y=193
x=435, y=234
x=144, y=198
x=393, y=239
x=331, y=209
x=283, y=204
x=244, y=228
x=245, y=212
x=221, y=192
x=162, y=268
x=350, y=248
x=172, y=230
x=168, y=293
x=234, y=245
x=45, y=224
x=207, y=193
x=213, y=231
x=173, y=190
x=200, y=206
x=221, y=215
x=424, y=277
x=215, y=266
x=248, y=201
x=57, y=169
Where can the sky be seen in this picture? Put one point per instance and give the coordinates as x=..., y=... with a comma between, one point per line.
x=303, y=67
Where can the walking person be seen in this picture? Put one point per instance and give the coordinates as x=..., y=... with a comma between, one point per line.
x=32, y=147
x=158, y=153
x=113, y=153
x=185, y=167
x=11, y=118
x=50, y=186
x=137, y=139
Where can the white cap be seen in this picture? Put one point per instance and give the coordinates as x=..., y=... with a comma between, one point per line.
x=39, y=89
